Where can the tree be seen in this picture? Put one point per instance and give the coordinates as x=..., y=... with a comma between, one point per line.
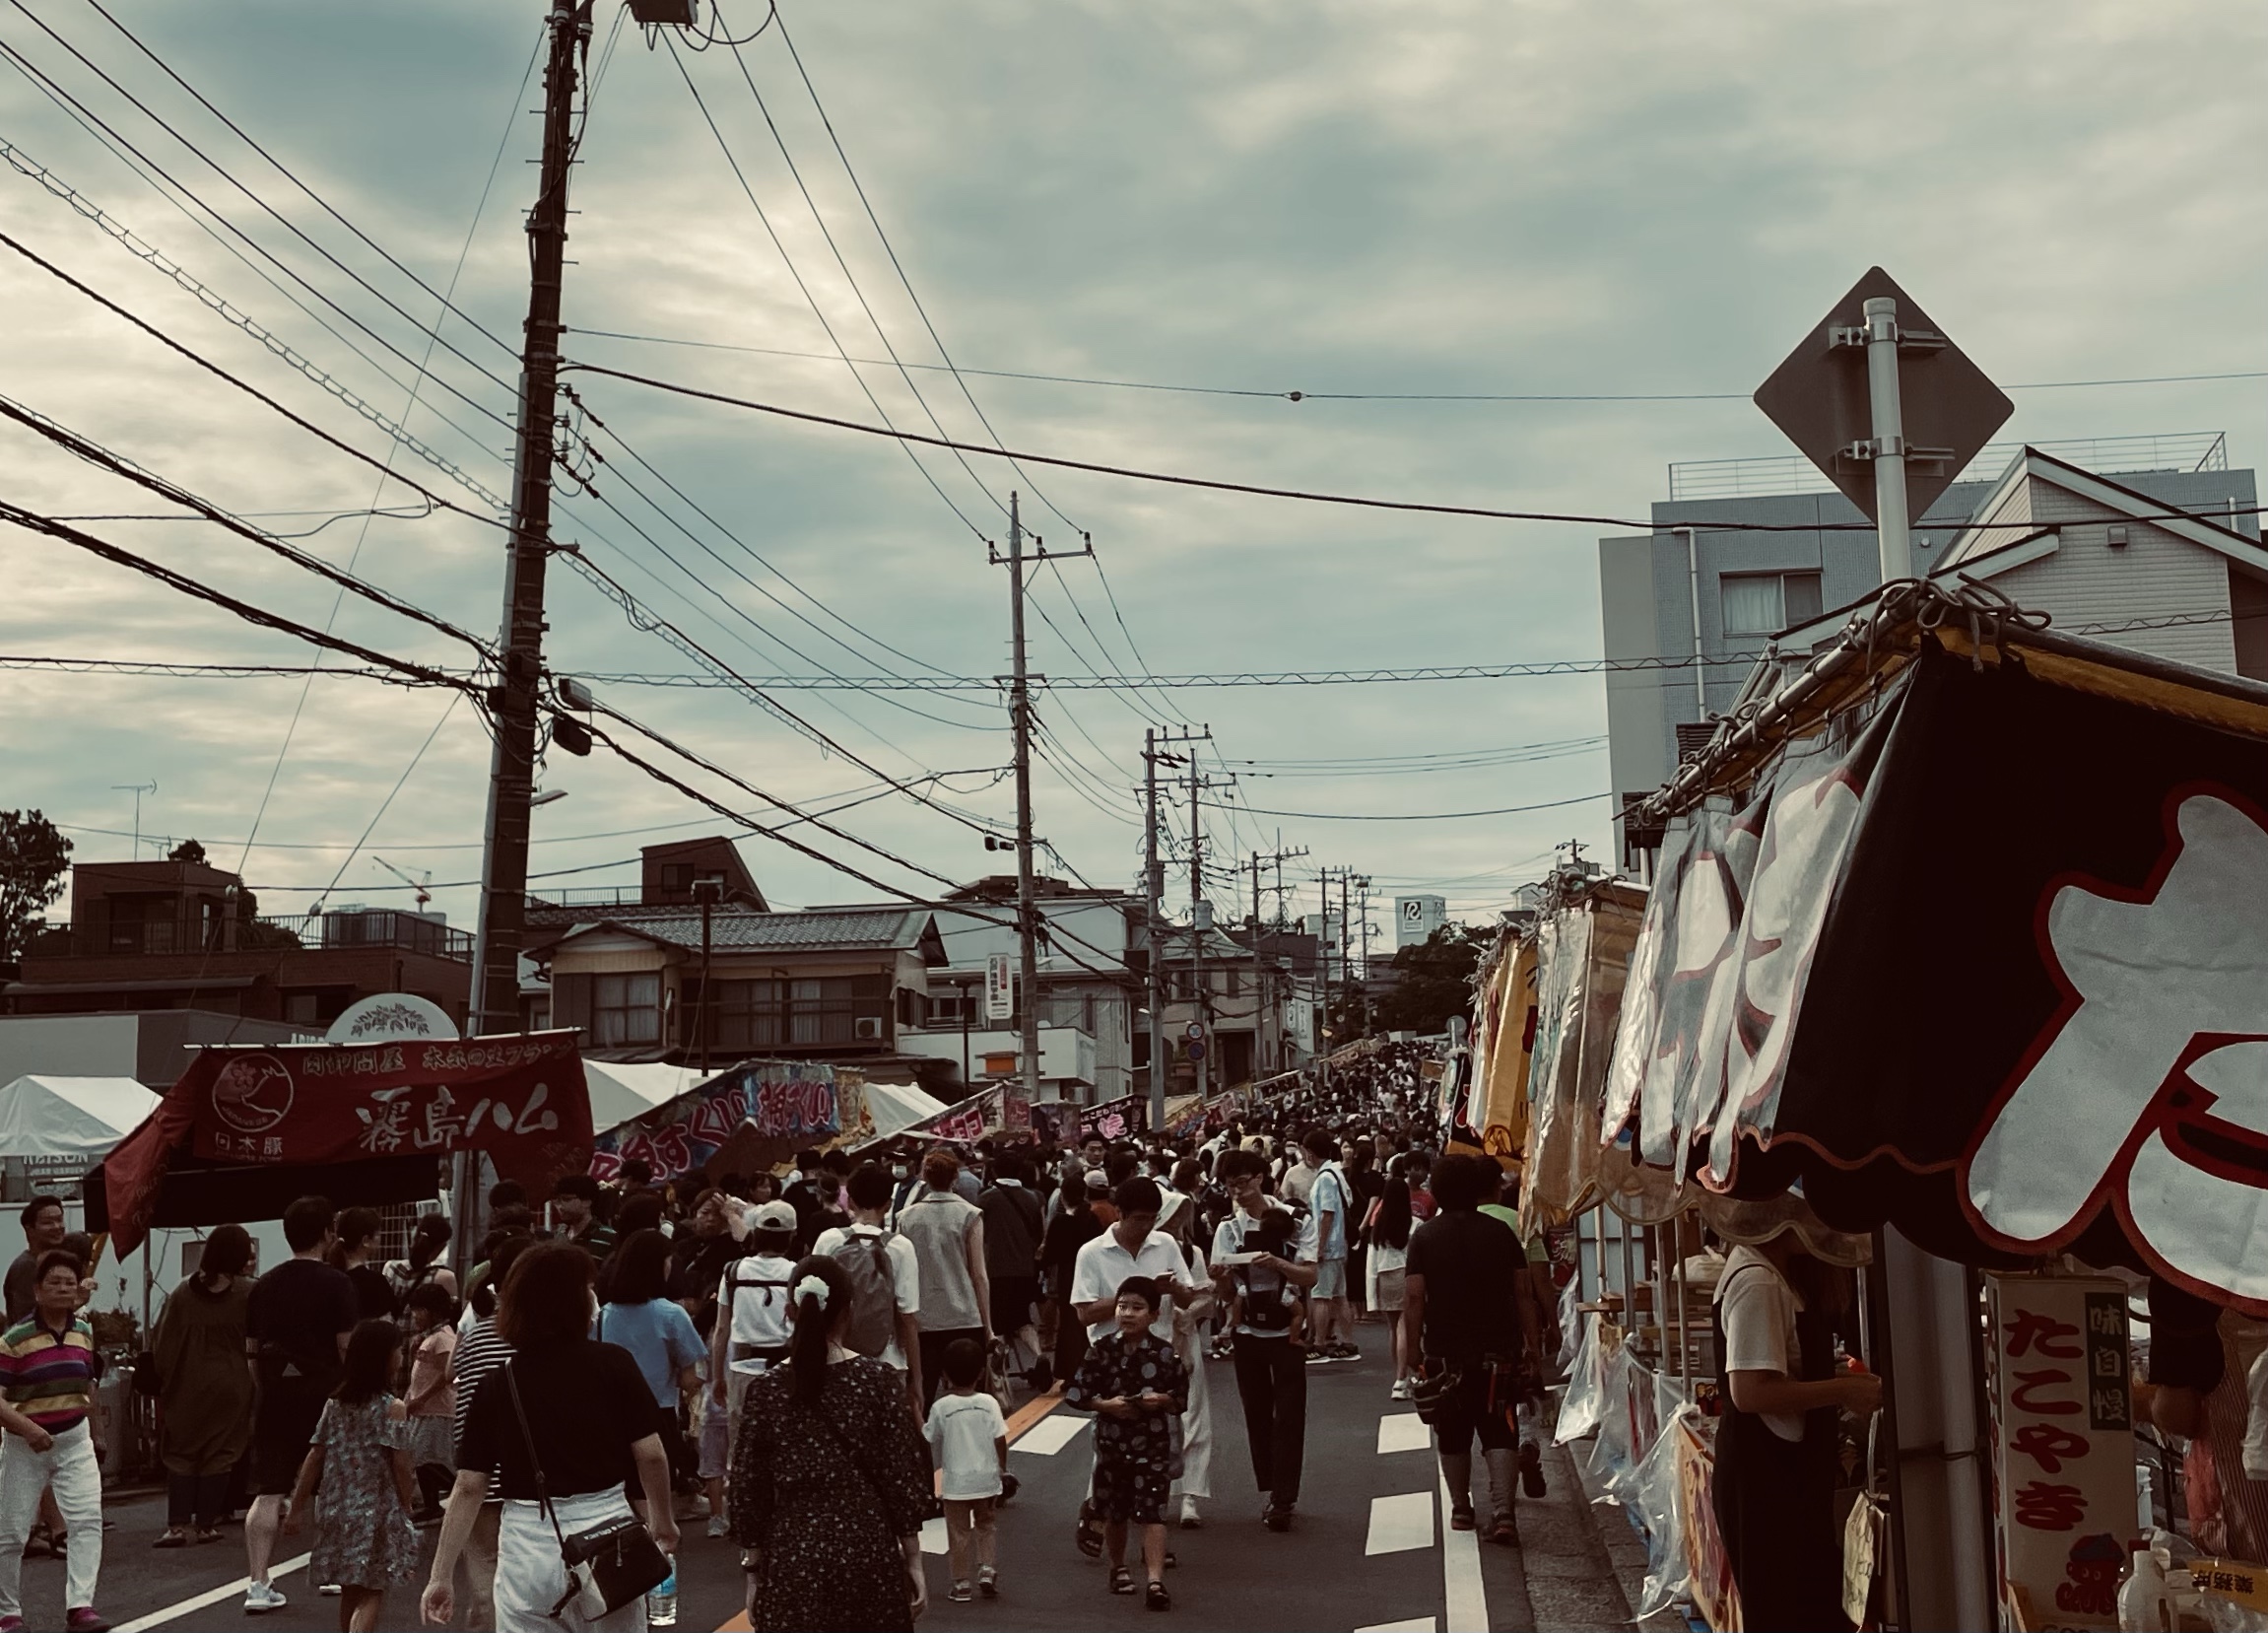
x=33, y=860
x=1435, y=981
x=188, y=851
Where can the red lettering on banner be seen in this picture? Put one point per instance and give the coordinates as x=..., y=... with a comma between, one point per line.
x=2032, y=1332
x=2049, y=1446
x=2044, y=1507
x=2045, y=1378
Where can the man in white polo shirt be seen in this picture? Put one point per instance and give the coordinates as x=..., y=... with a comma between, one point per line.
x=1133, y=1247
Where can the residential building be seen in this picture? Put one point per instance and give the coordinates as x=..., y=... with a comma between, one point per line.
x=188, y=935
x=832, y=984
x=1254, y=994
x=1090, y=1003
x=1708, y=589
x=150, y=1045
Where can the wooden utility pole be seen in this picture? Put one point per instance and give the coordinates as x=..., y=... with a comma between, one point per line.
x=495, y=996
x=1154, y=905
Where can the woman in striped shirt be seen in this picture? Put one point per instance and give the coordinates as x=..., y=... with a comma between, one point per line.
x=47, y=1375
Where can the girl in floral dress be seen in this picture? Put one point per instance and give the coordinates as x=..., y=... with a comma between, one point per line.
x=364, y=1538
x=1135, y=1384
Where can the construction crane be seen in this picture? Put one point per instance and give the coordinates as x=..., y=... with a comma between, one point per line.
x=417, y=884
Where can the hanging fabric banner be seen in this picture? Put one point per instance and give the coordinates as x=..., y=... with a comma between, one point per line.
x=773, y=1098
x=1114, y=1119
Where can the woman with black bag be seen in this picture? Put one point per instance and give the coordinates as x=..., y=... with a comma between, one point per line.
x=567, y=1422
x=831, y=1479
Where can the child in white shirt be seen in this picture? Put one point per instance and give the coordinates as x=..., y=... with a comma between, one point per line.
x=969, y=1443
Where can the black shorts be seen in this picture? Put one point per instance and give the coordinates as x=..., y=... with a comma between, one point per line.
x=284, y=1420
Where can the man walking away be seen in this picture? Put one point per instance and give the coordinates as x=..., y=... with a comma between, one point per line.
x=1330, y=1202
x=297, y=1323
x=1537, y=1317
x=1460, y=1308
x=1271, y=1380
x=885, y=1280
x=1012, y=1214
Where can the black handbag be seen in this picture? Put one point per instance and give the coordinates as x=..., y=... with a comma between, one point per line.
x=1431, y=1387
x=607, y=1565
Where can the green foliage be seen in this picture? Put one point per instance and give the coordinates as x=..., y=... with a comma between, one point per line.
x=33, y=859
x=1435, y=981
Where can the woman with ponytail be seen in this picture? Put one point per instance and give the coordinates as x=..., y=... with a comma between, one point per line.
x=831, y=1478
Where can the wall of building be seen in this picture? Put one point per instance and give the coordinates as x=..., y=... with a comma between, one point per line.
x=2156, y=574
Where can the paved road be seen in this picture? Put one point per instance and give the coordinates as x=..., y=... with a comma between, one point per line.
x=1368, y=1551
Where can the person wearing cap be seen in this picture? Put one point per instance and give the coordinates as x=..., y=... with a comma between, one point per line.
x=753, y=1331
x=1777, y=1442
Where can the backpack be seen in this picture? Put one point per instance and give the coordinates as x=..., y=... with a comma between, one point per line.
x=865, y=1259
x=1266, y=1309
x=735, y=1282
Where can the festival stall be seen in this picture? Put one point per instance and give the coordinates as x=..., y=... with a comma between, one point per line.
x=245, y=1130
x=748, y=1120
x=1958, y=930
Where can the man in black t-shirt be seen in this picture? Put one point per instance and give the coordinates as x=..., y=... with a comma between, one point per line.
x=1461, y=1311
x=295, y=1326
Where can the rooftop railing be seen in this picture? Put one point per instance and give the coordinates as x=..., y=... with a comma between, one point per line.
x=1792, y=473
x=154, y=937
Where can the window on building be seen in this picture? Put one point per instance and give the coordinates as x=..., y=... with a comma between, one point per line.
x=1235, y=982
x=814, y=1011
x=626, y=1009
x=1087, y=1014
x=1764, y=603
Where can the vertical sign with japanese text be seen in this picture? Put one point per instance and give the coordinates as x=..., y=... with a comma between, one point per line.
x=999, y=987
x=2064, y=1443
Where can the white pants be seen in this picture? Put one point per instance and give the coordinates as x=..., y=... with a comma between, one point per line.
x=531, y=1576
x=70, y=1469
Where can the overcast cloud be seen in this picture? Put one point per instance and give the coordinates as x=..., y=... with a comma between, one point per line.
x=1431, y=196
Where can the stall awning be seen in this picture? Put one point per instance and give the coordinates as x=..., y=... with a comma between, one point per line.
x=1994, y=968
x=54, y=1118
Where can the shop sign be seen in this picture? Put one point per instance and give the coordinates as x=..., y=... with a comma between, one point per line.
x=999, y=987
x=1711, y=1568
x=2064, y=1443
x=1113, y=1119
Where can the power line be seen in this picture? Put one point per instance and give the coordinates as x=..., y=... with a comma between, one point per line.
x=1309, y=496
x=253, y=391
x=1417, y=816
x=93, y=454
x=402, y=671
x=1280, y=395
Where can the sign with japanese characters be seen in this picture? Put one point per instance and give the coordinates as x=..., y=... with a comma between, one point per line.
x=1113, y=1119
x=775, y=1099
x=2064, y=1443
x=999, y=987
x=520, y=1099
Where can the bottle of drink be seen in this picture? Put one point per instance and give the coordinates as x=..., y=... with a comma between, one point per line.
x=662, y=1601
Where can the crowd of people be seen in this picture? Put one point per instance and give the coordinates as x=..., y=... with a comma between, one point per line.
x=812, y=1364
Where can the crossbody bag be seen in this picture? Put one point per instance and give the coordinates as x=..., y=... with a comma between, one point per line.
x=607, y=1565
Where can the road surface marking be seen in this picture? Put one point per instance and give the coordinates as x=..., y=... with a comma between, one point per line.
x=227, y=1589
x=1401, y=1522
x=1048, y=1436
x=1403, y=1432
x=1416, y=1624
x=1467, y=1602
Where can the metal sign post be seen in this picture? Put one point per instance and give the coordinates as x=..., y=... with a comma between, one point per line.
x=1892, y=530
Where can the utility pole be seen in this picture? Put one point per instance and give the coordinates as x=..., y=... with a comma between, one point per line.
x=1259, y=965
x=1020, y=720
x=1349, y=882
x=1197, y=927
x=1323, y=966
x=496, y=994
x=1153, y=906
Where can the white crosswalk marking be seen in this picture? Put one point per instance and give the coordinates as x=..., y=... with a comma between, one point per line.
x=1401, y=1522
x=1416, y=1624
x=1403, y=1432
x=1467, y=1600
x=1050, y=1434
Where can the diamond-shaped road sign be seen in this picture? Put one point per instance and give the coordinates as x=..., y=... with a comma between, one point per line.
x=1820, y=398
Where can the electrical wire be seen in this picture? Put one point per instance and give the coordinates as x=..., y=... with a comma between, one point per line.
x=1425, y=816
x=248, y=389
x=401, y=670
x=270, y=210
x=93, y=454
x=1309, y=496
x=1278, y=396
x=384, y=805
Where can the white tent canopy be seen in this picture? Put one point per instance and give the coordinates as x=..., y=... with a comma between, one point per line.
x=895, y=1106
x=50, y=1116
x=620, y=1093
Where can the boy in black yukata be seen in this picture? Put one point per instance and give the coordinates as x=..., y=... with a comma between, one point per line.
x=1136, y=1386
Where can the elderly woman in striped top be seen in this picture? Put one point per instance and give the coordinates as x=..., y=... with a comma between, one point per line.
x=47, y=1376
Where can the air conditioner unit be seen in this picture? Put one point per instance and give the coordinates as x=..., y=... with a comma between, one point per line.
x=867, y=1029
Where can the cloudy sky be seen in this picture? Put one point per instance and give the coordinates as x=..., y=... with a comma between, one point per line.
x=1439, y=196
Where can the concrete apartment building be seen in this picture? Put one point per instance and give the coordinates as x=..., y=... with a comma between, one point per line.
x=1706, y=584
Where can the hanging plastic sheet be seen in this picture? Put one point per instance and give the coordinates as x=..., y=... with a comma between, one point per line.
x=1583, y=964
x=1656, y=1495
x=1581, y=1407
